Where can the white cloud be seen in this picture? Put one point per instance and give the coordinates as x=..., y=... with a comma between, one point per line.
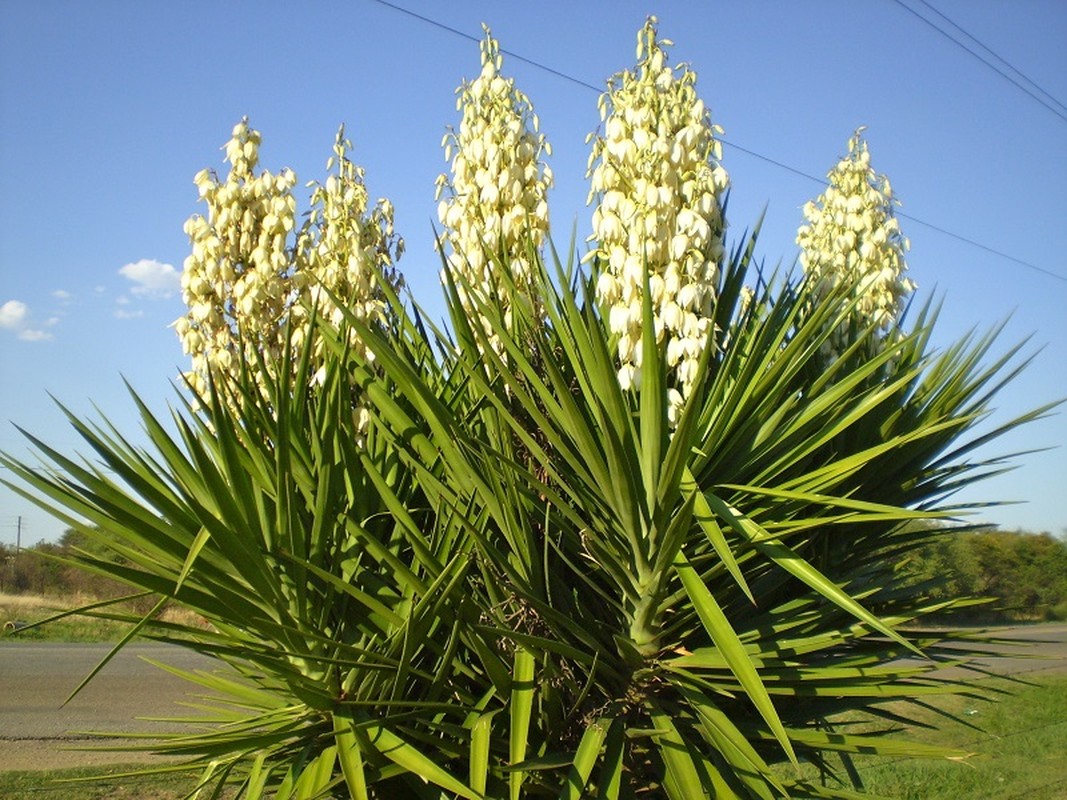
x=152, y=278
x=13, y=314
x=62, y=294
x=122, y=300
x=51, y=322
x=121, y=313
x=31, y=335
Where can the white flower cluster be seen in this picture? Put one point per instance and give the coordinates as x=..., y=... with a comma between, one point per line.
x=657, y=175
x=852, y=238
x=345, y=250
x=235, y=281
x=252, y=279
x=495, y=209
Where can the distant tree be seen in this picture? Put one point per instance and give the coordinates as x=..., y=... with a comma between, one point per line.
x=1025, y=573
x=46, y=568
x=79, y=541
x=34, y=572
x=7, y=568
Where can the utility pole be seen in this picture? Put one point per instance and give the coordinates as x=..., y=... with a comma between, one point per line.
x=18, y=535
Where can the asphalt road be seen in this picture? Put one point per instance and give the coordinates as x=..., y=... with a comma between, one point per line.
x=35, y=679
x=1040, y=650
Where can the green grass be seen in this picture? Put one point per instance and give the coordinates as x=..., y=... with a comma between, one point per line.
x=1016, y=736
x=95, y=783
x=1017, y=739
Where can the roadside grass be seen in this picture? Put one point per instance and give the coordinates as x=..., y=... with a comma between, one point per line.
x=1017, y=738
x=17, y=610
x=96, y=783
x=1015, y=731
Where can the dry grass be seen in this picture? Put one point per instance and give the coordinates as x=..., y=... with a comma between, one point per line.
x=17, y=610
x=17, y=601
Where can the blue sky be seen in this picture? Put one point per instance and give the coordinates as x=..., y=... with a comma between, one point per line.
x=108, y=109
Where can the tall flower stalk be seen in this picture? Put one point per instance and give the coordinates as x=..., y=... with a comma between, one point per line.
x=253, y=282
x=659, y=187
x=851, y=241
x=494, y=204
x=346, y=254
x=236, y=280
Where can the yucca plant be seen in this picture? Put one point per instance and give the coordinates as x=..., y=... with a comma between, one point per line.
x=516, y=585
x=677, y=580
x=628, y=529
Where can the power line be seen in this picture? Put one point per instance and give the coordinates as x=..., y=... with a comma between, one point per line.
x=995, y=55
x=769, y=160
x=58, y=470
x=908, y=217
x=774, y=162
x=476, y=40
x=985, y=61
x=980, y=246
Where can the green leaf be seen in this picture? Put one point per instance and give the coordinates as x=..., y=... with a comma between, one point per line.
x=785, y=558
x=404, y=755
x=350, y=758
x=746, y=765
x=682, y=780
x=481, y=741
x=610, y=782
x=316, y=775
x=194, y=551
x=706, y=518
x=126, y=638
x=585, y=758
x=722, y=634
x=521, y=701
